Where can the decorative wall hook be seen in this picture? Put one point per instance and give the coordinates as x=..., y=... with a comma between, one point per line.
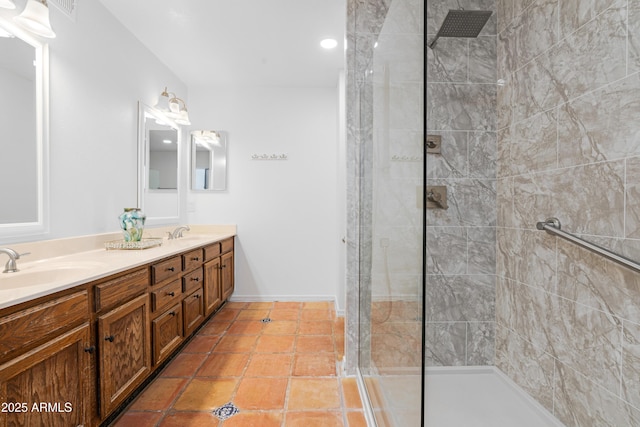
x=282, y=156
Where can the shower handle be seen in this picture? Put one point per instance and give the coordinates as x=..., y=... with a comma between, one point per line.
x=437, y=197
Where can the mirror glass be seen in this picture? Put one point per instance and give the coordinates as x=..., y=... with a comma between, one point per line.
x=208, y=160
x=23, y=132
x=158, y=166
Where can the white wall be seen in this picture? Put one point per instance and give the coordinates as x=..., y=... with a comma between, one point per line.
x=98, y=73
x=286, y=211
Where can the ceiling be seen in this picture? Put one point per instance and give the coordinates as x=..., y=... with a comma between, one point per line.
x=240, y=42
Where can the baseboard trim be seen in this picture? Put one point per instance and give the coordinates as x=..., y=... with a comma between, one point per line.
x=289, y=298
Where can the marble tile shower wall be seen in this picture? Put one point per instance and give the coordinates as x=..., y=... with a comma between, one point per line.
x=568, y=321
x=461, y=241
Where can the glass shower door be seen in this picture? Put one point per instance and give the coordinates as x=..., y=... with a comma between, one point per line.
x=391, y=145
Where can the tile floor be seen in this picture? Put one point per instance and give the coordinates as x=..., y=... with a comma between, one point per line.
x=281, y=373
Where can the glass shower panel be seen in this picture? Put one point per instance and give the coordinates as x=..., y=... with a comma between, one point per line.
x=391, y=218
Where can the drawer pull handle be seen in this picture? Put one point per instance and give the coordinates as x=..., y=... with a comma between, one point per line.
x=195, y=259
x=197, y=296
x=171, y=294
x=172, y=313
x=90, y=349
x=110, y=338
x=195, y=279
x=171, y=269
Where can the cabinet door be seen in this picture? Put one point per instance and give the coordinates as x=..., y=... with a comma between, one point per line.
x=212, y=291
x=226, y=276
x=193, y=311
x=125, y=351
x=49, y=386
x=167, y=333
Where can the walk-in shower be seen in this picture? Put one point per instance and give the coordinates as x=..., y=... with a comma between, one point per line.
x=469, y=315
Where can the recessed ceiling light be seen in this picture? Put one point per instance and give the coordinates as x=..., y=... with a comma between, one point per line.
x=329, y=43
x=167, y=141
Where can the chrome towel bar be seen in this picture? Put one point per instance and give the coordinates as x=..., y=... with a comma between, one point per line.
x=552, y=226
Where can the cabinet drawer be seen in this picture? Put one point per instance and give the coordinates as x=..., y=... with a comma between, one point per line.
x=166, y=269
x=166, y=295
x=192, y=280
x=212, y=251
x=20, y=330
x=227, y=245
x=166, y=333
x=192, y=260
x=120, y=289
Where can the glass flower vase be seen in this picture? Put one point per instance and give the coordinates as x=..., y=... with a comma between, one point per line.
x=132, y=224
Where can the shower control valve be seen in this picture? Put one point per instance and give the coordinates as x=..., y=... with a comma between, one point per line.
x=437, y=197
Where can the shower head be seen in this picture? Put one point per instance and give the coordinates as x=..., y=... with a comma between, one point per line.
x=462, y=23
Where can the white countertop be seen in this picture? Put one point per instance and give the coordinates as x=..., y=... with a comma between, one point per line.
x=55, y=265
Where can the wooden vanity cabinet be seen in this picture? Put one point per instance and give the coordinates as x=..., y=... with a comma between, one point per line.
x=51, y=384
x=167, y=333
x=218, y=274
x=193, y=309
x=45, y=362
x=124, y=345
x=85, y=350
x=226, y=275
x=212, y=295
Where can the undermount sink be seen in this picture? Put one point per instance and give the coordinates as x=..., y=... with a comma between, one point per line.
x=46, y=273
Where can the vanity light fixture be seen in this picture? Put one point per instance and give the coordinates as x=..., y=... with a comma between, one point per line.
x=35, y=18
x=163, y=102
x=329, y=43
x=173, y=107
x=179, y=111
x=167, y=141
x=7, y=4
x=207, y=137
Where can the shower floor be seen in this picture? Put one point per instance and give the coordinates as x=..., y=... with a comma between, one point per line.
x=456, y=397
x=480, y=397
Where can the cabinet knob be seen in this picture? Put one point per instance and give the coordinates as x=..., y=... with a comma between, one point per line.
x=171, y=294
x=90, y=349
x=172, y=313
x=171, y=269
x=110, y=338
x=224, y=266
x=196, y=296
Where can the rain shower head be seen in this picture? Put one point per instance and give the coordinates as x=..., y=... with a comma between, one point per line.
x=462, y=23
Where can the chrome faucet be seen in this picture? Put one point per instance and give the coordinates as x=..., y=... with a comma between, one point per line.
x=178, y=232
x=11, y=266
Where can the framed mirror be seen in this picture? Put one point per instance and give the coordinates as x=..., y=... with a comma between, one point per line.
x=208, y=160
x=24, y=134
x=159, y=160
